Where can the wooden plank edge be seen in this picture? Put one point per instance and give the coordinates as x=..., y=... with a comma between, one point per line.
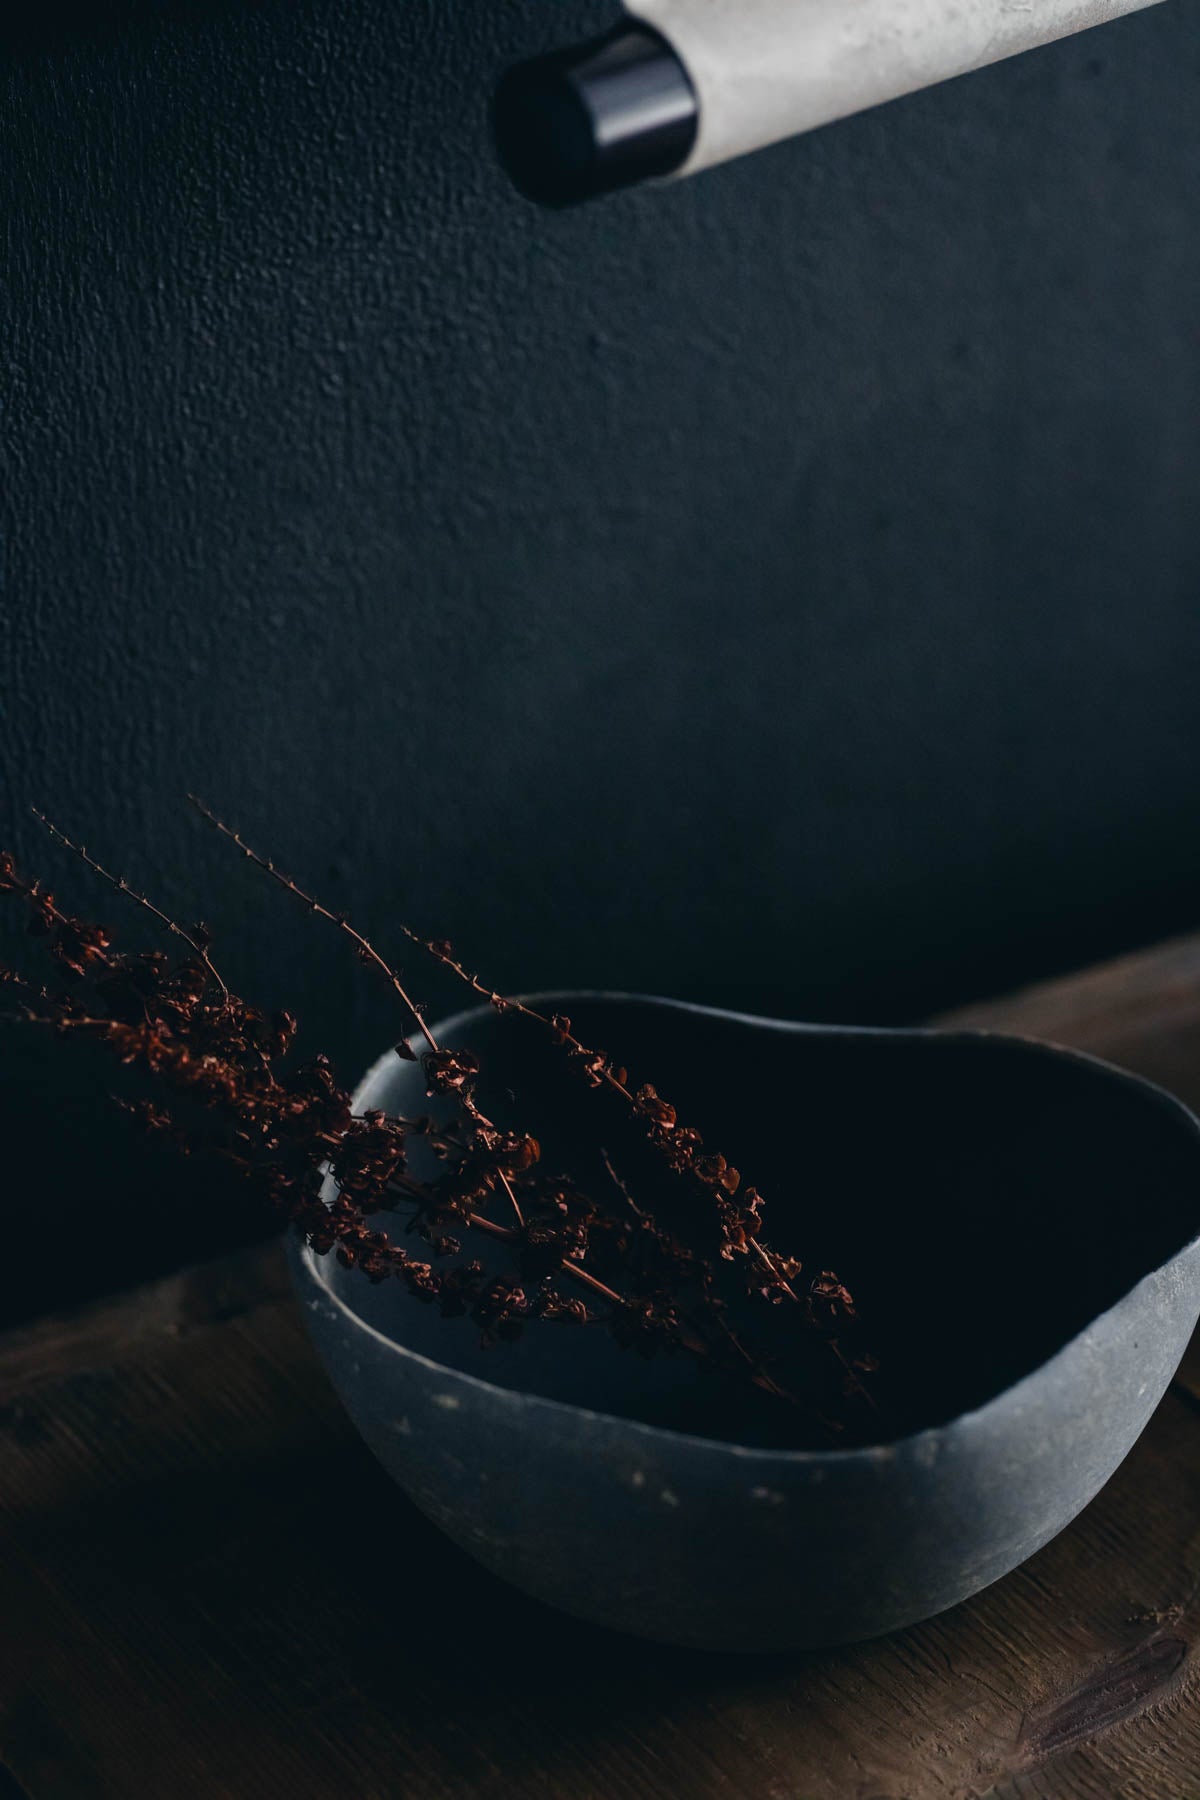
x=129, y=1324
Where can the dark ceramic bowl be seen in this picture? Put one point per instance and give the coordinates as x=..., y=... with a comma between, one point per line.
x=1020, y=1221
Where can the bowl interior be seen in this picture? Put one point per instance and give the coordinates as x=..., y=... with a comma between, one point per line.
x=984, y=1198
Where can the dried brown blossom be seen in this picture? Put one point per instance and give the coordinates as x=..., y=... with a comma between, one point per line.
x=450, y=1071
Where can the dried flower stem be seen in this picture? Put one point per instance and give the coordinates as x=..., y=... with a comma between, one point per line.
x=621, y=1185
x=618, y=1082
x=180, y=1023
x=366, y=950
x=759, y=1376
x=122, y=887
x=560, y=1029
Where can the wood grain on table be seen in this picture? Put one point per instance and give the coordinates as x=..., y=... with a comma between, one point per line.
x=208, y=1589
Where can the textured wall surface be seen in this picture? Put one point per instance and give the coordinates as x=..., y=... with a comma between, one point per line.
x=780, y=589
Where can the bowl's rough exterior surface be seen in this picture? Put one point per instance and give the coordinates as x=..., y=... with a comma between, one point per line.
x=707, y=1544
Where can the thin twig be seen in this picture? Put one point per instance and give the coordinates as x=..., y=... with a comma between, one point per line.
x=122, y=887
x=343, y=924
x=621, y=1186
x=366, y=948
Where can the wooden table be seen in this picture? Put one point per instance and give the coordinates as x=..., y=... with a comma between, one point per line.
x=209, y=1589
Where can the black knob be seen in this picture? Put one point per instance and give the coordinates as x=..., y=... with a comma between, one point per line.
x=603, y=115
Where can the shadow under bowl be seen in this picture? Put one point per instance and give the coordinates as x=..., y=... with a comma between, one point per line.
x=1018, y=1223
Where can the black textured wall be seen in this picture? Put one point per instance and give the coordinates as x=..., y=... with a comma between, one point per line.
x=779, y=589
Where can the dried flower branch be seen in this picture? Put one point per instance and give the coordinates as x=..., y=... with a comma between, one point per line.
x=366, y=950
x=196, y=942
x=447, y=1071
x=740, y=1221
x=233, y=1092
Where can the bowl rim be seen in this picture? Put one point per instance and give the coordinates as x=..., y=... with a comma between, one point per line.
x=913, y=1444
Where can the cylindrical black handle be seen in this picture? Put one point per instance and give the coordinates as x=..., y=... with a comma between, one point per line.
x=603, y=115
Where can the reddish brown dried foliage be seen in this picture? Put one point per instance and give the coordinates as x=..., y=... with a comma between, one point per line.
x=283, y=1127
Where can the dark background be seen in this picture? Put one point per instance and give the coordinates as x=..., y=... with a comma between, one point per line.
x=779, y=589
